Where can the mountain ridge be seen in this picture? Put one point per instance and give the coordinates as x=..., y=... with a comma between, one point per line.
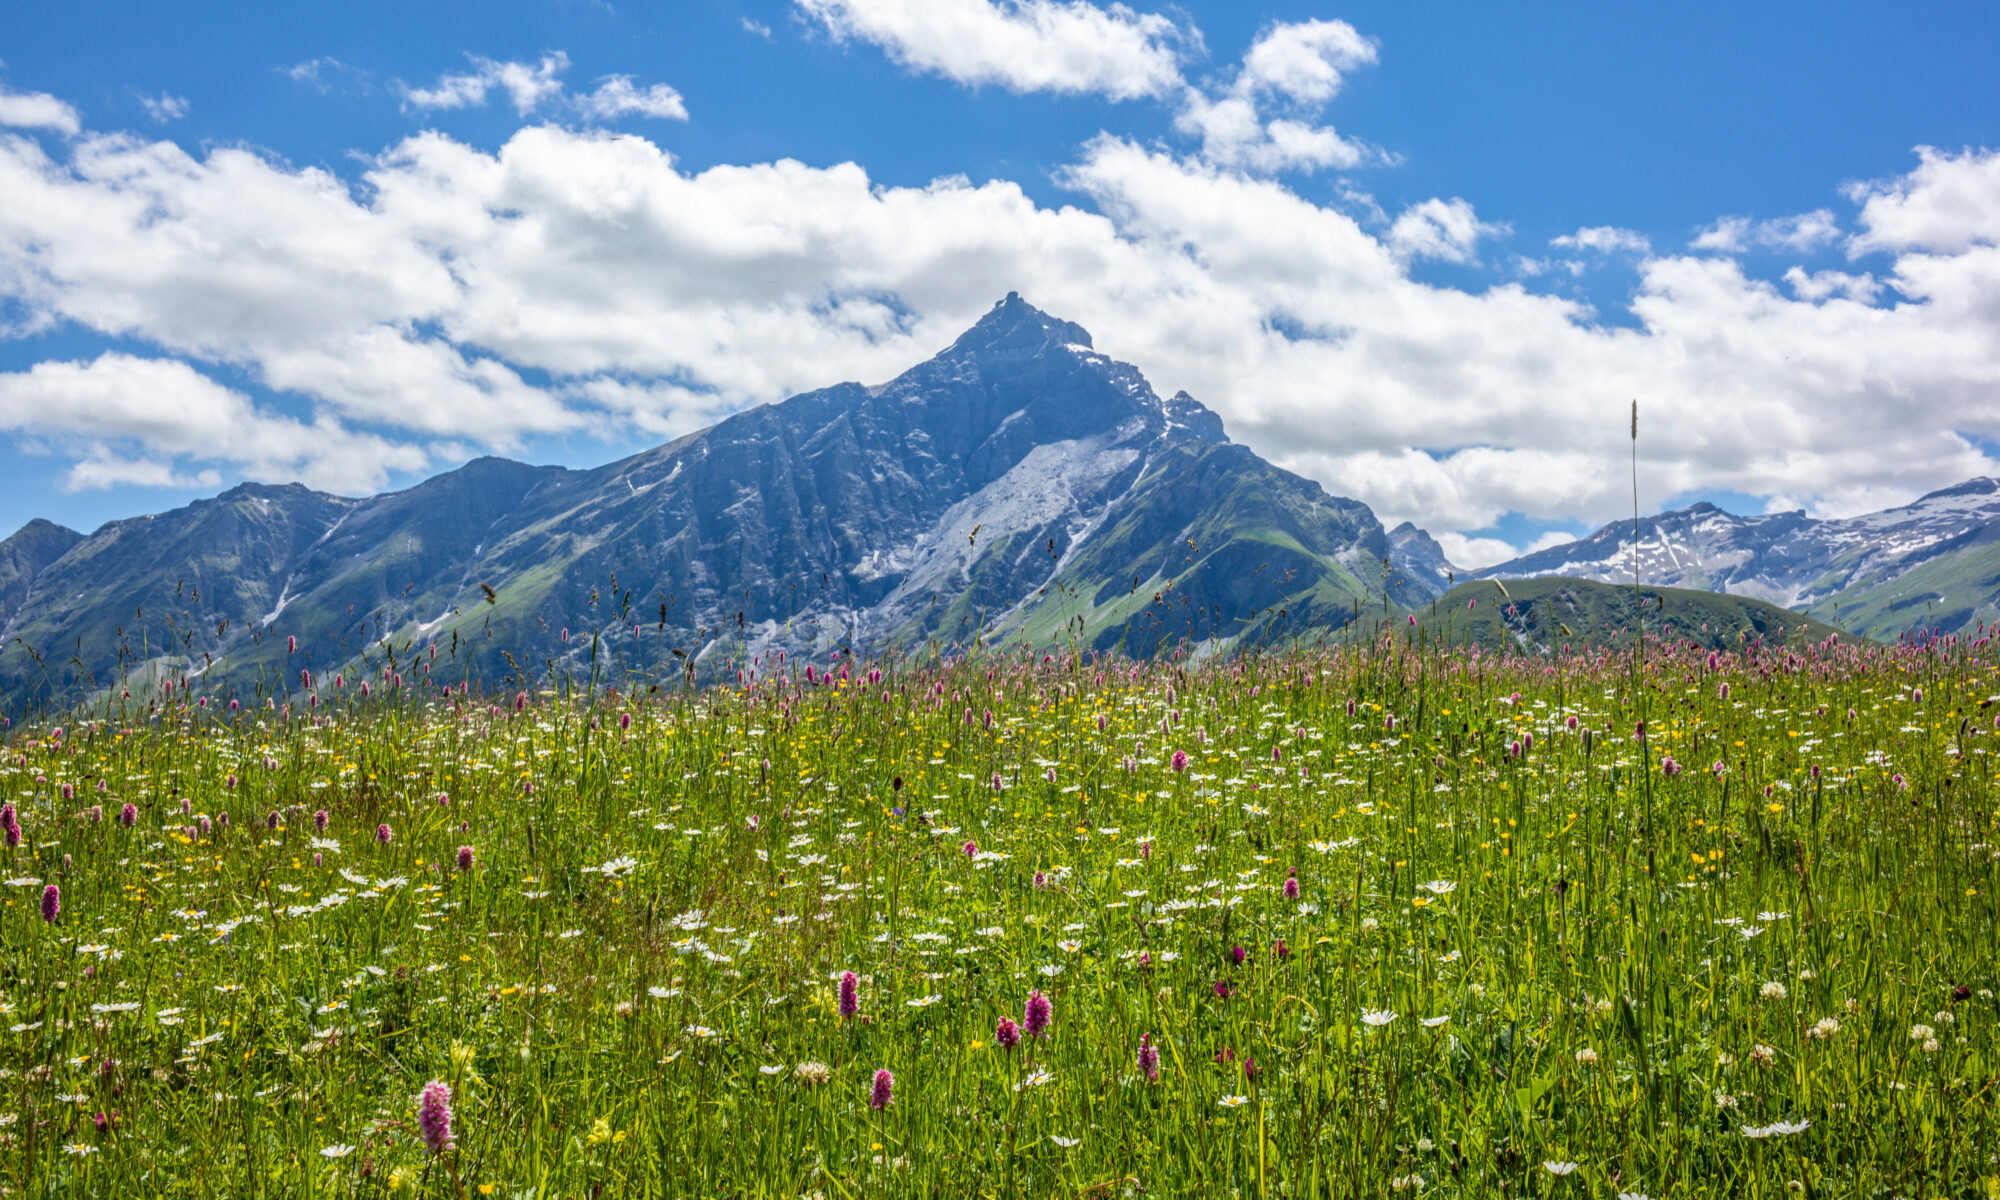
x=1932, y=563
x=1018, y=484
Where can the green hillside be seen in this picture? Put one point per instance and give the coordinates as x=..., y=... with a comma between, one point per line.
x=1555, y=610
x=1949, y=586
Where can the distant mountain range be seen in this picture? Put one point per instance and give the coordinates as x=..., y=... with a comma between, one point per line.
x=1931, y=564
x=1019, y=485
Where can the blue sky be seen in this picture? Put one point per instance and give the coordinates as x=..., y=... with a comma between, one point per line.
x=1452, y=349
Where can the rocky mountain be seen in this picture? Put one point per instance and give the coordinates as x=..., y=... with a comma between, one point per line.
x=1019, y=485
x=1932, y=564
x=23, y=558
x=1420, y=556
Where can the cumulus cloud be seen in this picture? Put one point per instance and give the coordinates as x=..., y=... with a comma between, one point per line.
x=1802, y=234
x=617, y=96
x=1022, y=45
x=527, y=85
x=1265, y=119
x=571, y=281
x=1815, y=286
x=1443, y=229
x=1477, y=553
x=539, y=87
x=131, y=420
x=1945, y=206
x=1234, y=134
x=37, y=110
x=1305, y=61
x=1262, y=119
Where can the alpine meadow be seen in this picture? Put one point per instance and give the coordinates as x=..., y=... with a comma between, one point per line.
x=999, y=600
x=1447, y=916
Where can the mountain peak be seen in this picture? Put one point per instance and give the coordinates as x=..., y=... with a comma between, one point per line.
x=1418, y=553
x=1014, y=325
x=1978, y=485
x=43, y=527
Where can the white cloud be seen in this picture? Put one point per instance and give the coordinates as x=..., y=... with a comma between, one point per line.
x=527, y=86
x=163, y=107
x=328, y=74
x=539, y=87
x=1304, y=61
x=757, y=27
x=132, y=419
x=1258, y=121
x=1605, y=239
x=1478, y=553
x=1296, y=67
x=1446, y=229
x=1729, y=235
x=102, y=470
x=1802, y=234
x=37, y=110
x=1947, y=205
x=386, y=377
x=571, y=281
x=617, y=97
x=1234, y=135
x=1818, y=285
x=1022, y=45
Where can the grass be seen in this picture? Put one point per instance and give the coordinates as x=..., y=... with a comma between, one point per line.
x=1754, y=981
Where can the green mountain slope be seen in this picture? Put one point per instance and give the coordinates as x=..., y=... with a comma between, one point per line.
x=1547, y=611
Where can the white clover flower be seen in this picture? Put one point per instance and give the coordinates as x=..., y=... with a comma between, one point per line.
x=1775, y=1129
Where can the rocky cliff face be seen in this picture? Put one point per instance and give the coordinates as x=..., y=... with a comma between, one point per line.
x=1420, y=556
x=23, y=558
x=1019, y=485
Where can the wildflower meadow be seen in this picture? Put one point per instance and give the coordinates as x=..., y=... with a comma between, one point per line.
x=1396, y=917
